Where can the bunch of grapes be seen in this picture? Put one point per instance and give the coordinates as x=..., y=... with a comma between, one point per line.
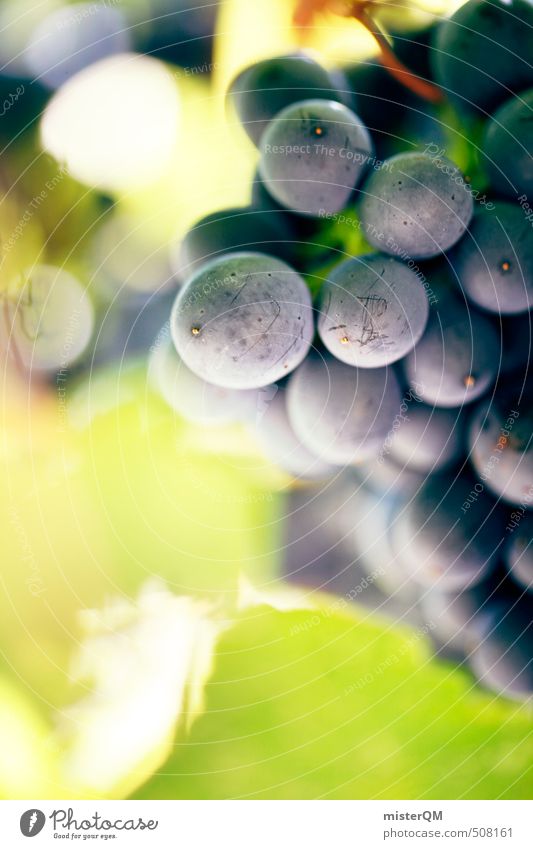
x=368, y=314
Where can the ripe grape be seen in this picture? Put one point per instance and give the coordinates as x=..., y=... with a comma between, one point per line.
x=373, y=311
x=519, y=552
x=281, y=445
x=494, y=261
x=340, y=413
x=415, y=205
x=180, y=32
x=483, y=51
x=190, y=396
x=264, y=89
x=230, y=230
x=49, y=318
x=503, y=658
x=385, y=477
x=313, y=153
x=444, y=538
x=428, y=439
x=371, y=517
x=508, y=146
x=501, y=449
x=243, y=321
x=459, y=618
x=456, y=360
x=382, y=102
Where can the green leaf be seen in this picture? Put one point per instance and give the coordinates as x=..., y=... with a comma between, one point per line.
x=334, y=703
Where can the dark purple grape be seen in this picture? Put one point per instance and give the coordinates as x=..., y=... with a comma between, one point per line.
x=281, y=445
x=230, y=230
x=415, y=205
x=340, y=413
x=483, y=51
x=459, y=618
x=243, y=321
x=447, y=539
x=494, y=261
x=519, y=550
x=190, y=396
x=427, y=439
x=385, y=477
x=264, y=89
x=508, y=146
x=456, y=360
x=503, y=658
x=373, y=311
x=313, y=153
x=501, y=449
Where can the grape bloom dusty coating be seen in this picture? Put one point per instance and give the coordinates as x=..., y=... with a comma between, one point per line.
x=428, y=439
x=313, y=153
x=503, y=657
x=508, y=146
x=228, y=231
x=519, y=551
x=373, y=311
x=281, y=445
x=340, y=413
x=415, y=205
x=443, y=543
x=501, y=450
x=264, y=89
x=457, y=358
x=243, y=321
x=483, y=51
x=190, y=396
x=494, y=261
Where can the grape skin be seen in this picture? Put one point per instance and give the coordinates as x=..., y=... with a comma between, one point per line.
x=456, y=360
x=230, y=230
x=385, y=477
x=494, y=262
x=415, y=206
x=482, y=52
x=281, y=445
x=243, y=321
x=264, y=89
x=373, y=311
x=313, y=153
x=428, y=439
x=519, y=553
x=459, y=618
x=193, y=398
x=503, y=658
x=508, y=146
x=440, y=544
x=501, y=451
x=340, y=413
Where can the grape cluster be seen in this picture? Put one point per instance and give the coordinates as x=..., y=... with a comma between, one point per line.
x=378, y=288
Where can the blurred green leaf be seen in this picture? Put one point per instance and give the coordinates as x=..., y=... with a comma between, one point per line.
x=308, y=704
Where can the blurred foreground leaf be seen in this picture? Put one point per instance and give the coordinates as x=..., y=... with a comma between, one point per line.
x=330, y=703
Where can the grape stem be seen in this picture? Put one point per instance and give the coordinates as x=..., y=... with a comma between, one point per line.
x=357, y=9
x=424, y=89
